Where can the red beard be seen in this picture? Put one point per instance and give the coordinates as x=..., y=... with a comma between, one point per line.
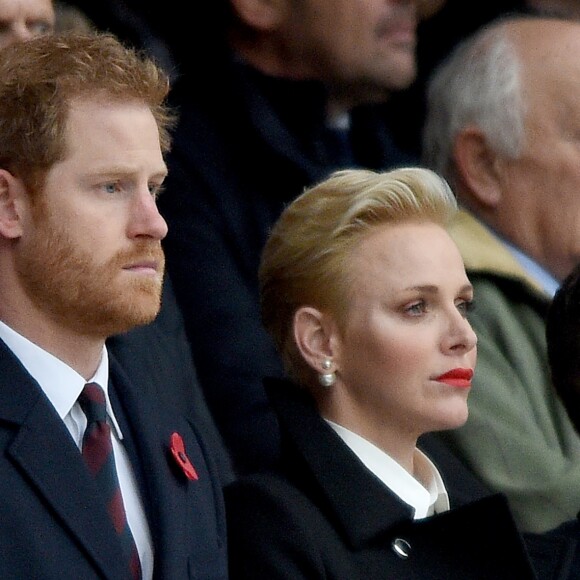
x=90, y=298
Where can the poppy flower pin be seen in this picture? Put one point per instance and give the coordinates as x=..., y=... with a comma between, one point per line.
x=177, y=448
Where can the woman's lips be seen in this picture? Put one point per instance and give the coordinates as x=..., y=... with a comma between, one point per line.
x=457, y=378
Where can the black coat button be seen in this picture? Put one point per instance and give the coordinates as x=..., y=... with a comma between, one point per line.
x=401, y=547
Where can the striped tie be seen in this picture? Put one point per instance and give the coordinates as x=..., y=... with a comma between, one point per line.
x=98, y=455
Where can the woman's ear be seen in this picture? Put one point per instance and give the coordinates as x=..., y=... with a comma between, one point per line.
x=12, y=196
x=313, y=335
x=477, y=169
x=260, y=14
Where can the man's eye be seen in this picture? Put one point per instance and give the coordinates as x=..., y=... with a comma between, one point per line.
x=156, y=189
x=40, y=27
x=111, y=187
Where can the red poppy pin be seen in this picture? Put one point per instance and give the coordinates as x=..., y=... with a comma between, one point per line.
x=178, y=452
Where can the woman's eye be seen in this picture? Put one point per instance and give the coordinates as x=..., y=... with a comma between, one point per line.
x=416, y=308
x=465, y=306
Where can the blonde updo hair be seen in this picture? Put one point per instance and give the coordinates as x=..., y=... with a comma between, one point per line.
x=306, y=259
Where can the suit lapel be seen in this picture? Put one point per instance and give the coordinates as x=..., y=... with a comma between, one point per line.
x=45, y=453
x=146, y=439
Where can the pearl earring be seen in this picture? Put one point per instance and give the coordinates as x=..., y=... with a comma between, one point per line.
x=326, y=379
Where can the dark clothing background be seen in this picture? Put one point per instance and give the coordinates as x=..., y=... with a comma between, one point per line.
x=232, y=170
x=158, y=359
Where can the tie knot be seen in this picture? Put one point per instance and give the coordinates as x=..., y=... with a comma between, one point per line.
x=93, y=403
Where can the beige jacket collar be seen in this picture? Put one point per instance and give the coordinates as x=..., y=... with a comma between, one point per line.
x=483, y=252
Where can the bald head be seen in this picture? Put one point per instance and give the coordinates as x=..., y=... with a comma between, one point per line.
x=543, y=42
x=503, y=125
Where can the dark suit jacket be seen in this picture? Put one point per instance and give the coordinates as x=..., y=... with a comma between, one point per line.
x=324, y=515
x=51, y=526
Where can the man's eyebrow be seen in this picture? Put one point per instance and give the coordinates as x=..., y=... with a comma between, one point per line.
x=123, y=170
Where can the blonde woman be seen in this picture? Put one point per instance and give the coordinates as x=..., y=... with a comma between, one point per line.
x=366, y=297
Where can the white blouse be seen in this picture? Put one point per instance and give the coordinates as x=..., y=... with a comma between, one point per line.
x=426, y=499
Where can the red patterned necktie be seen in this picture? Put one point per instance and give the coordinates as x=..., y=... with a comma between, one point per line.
x=98, y=454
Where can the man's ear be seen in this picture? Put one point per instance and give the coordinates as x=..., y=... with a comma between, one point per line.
x=477, y=169
x=314, y=336
x=12, y=197
x=262, y=15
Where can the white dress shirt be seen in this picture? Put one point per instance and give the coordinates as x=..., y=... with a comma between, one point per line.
x=424, y=499
x=63, y=385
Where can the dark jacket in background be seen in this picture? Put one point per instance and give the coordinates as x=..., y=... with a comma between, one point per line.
x=232, y=170
x=158, y=359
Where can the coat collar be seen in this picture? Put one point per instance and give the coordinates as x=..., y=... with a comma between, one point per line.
x=147, y=440
x=296, y=128
x=313, y=451
x=484, y=253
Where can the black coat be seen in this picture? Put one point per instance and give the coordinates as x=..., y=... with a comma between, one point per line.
x=322, y=514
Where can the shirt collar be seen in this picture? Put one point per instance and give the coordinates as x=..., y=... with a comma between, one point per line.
x=547, y=282
x=424, y=499
x=61, y=384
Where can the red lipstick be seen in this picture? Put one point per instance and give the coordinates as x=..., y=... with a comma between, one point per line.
x=457, y=378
